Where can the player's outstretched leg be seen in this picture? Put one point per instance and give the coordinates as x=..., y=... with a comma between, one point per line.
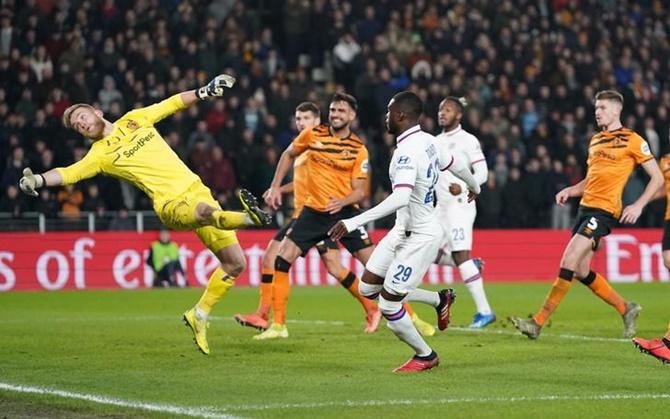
x=252, y=208
x=259, y=318
x=401, y=325
x=280, y=293
x=442, y=301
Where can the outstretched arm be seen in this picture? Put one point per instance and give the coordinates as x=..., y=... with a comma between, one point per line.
x=273, y=194
x=83, y=169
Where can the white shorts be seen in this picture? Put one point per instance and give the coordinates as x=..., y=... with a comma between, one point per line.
x=457, y=221
x=403, y=261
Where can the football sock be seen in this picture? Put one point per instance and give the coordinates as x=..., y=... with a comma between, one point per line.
x=600, y=287
x=423, y=296
x=558, y=291
x=409, y=309
x=349, y=281
x=265, y=291
x=230, y=220
x=401, y=325
x=472, y=278
x=280, y=290
x=218, y=285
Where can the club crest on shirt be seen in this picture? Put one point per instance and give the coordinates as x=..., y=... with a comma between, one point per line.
x=132, y=125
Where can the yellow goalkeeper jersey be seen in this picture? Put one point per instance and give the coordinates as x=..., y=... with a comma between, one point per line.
x=134, y=151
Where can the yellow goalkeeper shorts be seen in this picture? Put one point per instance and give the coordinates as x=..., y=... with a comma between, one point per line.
x=179, y=214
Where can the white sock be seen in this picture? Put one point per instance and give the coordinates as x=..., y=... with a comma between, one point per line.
x=401, y=325
x=444, y=258
x=248, y=219
x=201, y=315
x=423, y=296
x=472, y=279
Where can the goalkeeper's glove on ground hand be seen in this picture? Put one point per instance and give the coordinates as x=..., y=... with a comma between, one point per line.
x=30, y=182
x=215, y=87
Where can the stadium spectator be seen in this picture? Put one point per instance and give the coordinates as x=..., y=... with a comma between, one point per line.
x=12, y=203
x=528, y=69
x=71, y=200
x=122, y=221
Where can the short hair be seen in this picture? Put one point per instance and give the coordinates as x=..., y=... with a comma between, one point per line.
x=609, y=95
x=460, y=102
x=409, y=103
x=345, y=97
x=68, y=113
x=308, y=107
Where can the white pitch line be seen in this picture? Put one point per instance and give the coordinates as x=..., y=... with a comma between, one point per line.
x=465, y=400
x=548, y=335
x=206, y=412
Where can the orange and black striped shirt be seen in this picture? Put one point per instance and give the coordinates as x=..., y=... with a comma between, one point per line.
x=613, y=156
x=331, y=165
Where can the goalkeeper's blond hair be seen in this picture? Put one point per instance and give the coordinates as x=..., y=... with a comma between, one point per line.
x=68, y=113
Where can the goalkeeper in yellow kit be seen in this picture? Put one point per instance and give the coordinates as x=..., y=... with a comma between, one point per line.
x=132, y=149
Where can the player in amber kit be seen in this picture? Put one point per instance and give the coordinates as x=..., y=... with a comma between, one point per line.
x=133, y=150
x=307, y=115
x=337, y=164
x=613, y=154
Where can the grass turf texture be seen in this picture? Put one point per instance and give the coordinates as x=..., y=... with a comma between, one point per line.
x=133, y=346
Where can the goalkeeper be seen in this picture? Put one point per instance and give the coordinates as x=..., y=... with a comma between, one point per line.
x=132, y=149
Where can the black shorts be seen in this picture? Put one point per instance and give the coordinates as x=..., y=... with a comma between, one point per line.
x=593, y=224
x=312, y=226
x=666, y=235
x=321, y=246
x=284, y=230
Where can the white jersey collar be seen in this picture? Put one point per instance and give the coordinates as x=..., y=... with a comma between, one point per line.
x=453, y=131
x=408, y=132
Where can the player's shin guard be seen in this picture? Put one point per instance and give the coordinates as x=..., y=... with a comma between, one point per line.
x=558, y=291
x=600, y=287
x=349, y=281
x=401, y=325
x=218, y=285
x=280, y=290
x=472, y=278
x=423, y=296
x=369, y=291
x=230, y=220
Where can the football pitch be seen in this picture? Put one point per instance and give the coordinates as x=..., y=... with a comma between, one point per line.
x=118, y=354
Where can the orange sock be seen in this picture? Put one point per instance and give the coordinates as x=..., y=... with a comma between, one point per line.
x=349, y=281
x=408, y=308
x=558, y=291
x=265, y=290
x=602, y=289
x=280, y=291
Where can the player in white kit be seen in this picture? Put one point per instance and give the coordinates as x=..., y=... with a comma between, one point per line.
x=403, y=256
x=455, y=212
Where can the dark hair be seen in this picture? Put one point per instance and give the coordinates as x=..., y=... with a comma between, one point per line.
x=409, y=103
x=308, y=107
x=345, y=97
x=460, y=102
x=609, y=95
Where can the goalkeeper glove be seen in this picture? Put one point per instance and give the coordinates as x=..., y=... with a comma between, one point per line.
x=215, y=87
x=30, y=182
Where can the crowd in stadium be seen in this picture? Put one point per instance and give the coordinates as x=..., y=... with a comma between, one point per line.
x=530, y=95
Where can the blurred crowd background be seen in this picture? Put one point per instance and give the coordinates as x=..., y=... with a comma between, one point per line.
x=529, y=70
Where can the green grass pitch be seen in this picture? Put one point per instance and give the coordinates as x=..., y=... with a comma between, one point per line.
x=119, y=354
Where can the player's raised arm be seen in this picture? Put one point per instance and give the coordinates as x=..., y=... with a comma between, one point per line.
x=183, y=100
x=83, y=169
